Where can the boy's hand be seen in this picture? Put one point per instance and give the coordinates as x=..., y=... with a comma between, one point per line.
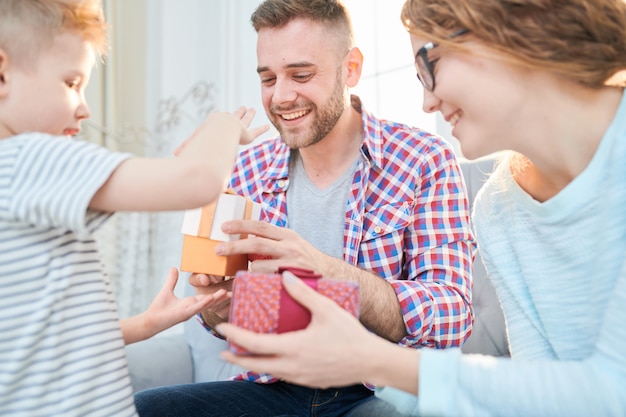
x=245, y=116
x=166, y=310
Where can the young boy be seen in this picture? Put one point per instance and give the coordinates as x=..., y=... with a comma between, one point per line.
x=61, y=348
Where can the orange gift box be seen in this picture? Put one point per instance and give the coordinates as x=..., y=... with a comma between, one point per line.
x=202, y=232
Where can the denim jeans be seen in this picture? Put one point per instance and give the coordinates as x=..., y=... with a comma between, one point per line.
x=249, y=399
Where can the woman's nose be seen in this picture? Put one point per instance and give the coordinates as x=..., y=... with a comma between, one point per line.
x=431, y=102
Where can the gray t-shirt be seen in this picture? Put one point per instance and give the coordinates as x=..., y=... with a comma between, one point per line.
x=318, y=215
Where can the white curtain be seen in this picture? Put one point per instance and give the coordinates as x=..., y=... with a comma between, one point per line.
x=171, y=63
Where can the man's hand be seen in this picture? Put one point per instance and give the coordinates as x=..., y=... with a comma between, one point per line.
x=275, y=247
x=281, y=247
x=209, y=285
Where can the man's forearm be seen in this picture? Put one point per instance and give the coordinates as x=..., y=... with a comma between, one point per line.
x=380, y=309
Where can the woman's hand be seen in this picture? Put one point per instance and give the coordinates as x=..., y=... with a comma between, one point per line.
x=332, y=351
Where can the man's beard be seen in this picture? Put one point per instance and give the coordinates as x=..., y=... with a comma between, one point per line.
x=326, y=119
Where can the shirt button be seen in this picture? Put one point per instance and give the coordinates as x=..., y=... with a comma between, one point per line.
x=377, y=230
x=281, y=183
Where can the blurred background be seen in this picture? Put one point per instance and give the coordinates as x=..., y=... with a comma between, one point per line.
x=171, y=63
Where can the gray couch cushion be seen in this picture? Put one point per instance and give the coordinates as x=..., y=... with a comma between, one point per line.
x=205, y=350
x=161, y=360
x=489, y=330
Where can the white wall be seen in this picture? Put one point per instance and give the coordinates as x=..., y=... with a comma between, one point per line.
x=389, y=85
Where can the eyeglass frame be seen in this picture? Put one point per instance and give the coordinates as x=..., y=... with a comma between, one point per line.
x=422, y=57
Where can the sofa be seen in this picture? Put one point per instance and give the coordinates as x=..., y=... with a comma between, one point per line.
x=192, y=355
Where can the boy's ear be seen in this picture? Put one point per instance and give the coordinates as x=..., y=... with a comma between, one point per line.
x=4, y=64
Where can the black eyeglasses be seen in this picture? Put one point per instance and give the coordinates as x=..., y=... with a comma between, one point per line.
x=426, y=68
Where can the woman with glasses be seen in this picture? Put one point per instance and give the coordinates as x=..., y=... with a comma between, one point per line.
x=544, y=80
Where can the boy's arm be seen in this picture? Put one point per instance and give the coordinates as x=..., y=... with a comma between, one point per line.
x=166, y=310
x=192, y=179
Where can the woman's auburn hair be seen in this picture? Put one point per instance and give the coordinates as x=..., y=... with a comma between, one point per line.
x=582, y=40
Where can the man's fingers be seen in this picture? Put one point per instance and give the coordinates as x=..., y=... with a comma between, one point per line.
x=255, y=227
x=199, y=280
x=215, y=279
x=267, y=266
x=256, y=245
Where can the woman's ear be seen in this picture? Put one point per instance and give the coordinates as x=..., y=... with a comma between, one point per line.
x=355, y=66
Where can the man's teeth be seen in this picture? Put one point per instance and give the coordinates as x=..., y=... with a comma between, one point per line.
x=295, y=115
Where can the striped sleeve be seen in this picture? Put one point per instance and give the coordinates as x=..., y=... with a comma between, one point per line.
x=55, y=178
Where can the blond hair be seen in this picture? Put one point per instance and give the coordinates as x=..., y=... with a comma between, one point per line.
x=29, y=26
x=581, y=40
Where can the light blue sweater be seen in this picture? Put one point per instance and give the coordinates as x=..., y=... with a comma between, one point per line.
x=559, y=269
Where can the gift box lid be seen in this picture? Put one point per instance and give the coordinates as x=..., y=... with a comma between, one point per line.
x=206, y=222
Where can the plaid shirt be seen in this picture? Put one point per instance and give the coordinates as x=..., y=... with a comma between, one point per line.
x=407, y=220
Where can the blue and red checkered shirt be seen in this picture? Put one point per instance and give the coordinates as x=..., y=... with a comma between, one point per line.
x=407, y=220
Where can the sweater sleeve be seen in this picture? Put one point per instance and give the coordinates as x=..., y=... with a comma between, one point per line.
x=453, y=384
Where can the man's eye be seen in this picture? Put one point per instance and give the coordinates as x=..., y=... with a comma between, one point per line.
x=302, y=77
x=268, y=80
x=74, y=84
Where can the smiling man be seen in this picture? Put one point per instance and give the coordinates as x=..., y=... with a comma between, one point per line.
x=345, y=194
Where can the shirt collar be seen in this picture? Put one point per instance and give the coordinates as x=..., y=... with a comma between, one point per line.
x=372, y=146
